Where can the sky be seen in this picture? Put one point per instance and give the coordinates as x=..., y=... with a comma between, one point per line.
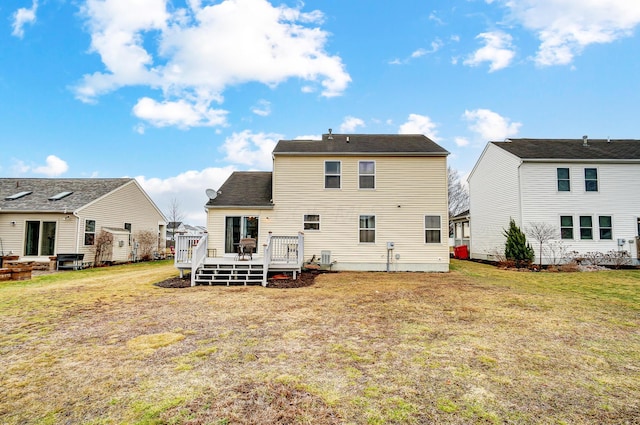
x=179, y=94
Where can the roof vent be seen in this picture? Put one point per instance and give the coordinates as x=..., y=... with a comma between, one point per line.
x=585, y=140
x=330, y=135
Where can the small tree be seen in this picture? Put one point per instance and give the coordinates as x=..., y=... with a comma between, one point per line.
x=516, y=248
x=543, y=233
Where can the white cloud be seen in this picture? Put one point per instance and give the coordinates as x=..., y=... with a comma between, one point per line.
x=22, y=17
x=251, y=149
x=461, y=142
x=181, y=113
x=309, y=137
x=262, y=108
x=498, y=51
x=188, y=189
x=53, y=167
x=193, y=54
x=419, y=124
x=350, y=124
x=490, y=125
x=566, y=27
x=418, y=53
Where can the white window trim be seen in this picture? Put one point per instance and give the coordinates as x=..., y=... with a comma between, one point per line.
x=425, y=228
x=325, y=174
x=593, y=235
x=599, y=228
x=573, y=226
x=558, y=180
x=375, y=167
x=597, y=180
x=311, y=222
x=375, y=231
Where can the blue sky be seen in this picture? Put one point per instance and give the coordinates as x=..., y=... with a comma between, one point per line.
x=179, y=94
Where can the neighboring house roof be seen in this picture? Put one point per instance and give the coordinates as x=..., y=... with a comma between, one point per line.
x=572, y=149
x=174, y=224
x=244, y=189
x=83, y=192
x=463, y=214
x=362, y=144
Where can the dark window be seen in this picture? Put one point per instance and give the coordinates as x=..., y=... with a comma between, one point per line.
x=564, y=183
x=332, y=174
x=566, y=227
x=311, y=222
x=591, y=179
x=586, y=227
x=432, y=229
x=367, y=174
x=368, y=228
x=127, y=226
x=606, y=230
x=89, y=232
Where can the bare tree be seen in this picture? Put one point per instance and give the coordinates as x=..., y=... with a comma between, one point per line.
x=175, y=216
x=103, y=246
x=458, y=194
x=543, y=233
x=147, y=243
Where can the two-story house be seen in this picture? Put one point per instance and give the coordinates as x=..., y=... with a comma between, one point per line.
x=352, y=202
x=585, y=189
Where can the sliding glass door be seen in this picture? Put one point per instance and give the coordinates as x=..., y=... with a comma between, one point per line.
x=237, y=228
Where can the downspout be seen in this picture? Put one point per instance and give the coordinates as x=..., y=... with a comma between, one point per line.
x=75, y=214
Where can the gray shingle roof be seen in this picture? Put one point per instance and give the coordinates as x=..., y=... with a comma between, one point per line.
x=84, y=192
x=572, y=149
x=359, y=144
x=244, y=189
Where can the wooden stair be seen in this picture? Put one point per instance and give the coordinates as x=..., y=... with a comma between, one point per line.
x=230, y=274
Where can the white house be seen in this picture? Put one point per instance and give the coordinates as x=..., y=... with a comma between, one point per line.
x=353, y=202
x=586, y=189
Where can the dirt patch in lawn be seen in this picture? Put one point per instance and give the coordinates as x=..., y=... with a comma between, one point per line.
x=306, y=278
x=255, y=403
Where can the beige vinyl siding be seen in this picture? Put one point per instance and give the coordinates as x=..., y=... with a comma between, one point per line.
x=616, y=197
x=13, y=236
x=493, y=200
x=216, y=224
x=127, y=204
x=407, y=189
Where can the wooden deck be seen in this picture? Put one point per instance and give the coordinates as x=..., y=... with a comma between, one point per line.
x=283, y=254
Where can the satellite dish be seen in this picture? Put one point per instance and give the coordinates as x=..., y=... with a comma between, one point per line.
x=211, y=193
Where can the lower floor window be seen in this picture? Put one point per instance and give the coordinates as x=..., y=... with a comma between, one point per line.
x=89, y=232
x=40, y=238
x=311, y=222
x=368, y=228
x=586, y=227
x=604, y=222
x=566, y=227
x=432, y=229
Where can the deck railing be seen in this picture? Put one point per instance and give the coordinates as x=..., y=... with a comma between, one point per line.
x=184, y=248
x=198, y=257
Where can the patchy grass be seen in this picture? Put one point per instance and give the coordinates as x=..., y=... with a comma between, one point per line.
x=477, y=345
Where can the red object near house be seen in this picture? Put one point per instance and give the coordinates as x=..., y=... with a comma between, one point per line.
x=461, y=252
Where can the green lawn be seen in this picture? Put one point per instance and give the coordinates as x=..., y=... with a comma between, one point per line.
x=476, y=345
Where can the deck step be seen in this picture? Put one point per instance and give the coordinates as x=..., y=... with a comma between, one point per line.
x=230, y=274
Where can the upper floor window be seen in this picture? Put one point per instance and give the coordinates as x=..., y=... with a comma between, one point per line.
x=606, y=230
x=566, y=227
x=432, y=229
x=368, y=228
x=591, y=179
x=332, y=170
x=89, y=232
x=564, y=183
x=311, y=222
x=367, y=174
x=586, y=227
